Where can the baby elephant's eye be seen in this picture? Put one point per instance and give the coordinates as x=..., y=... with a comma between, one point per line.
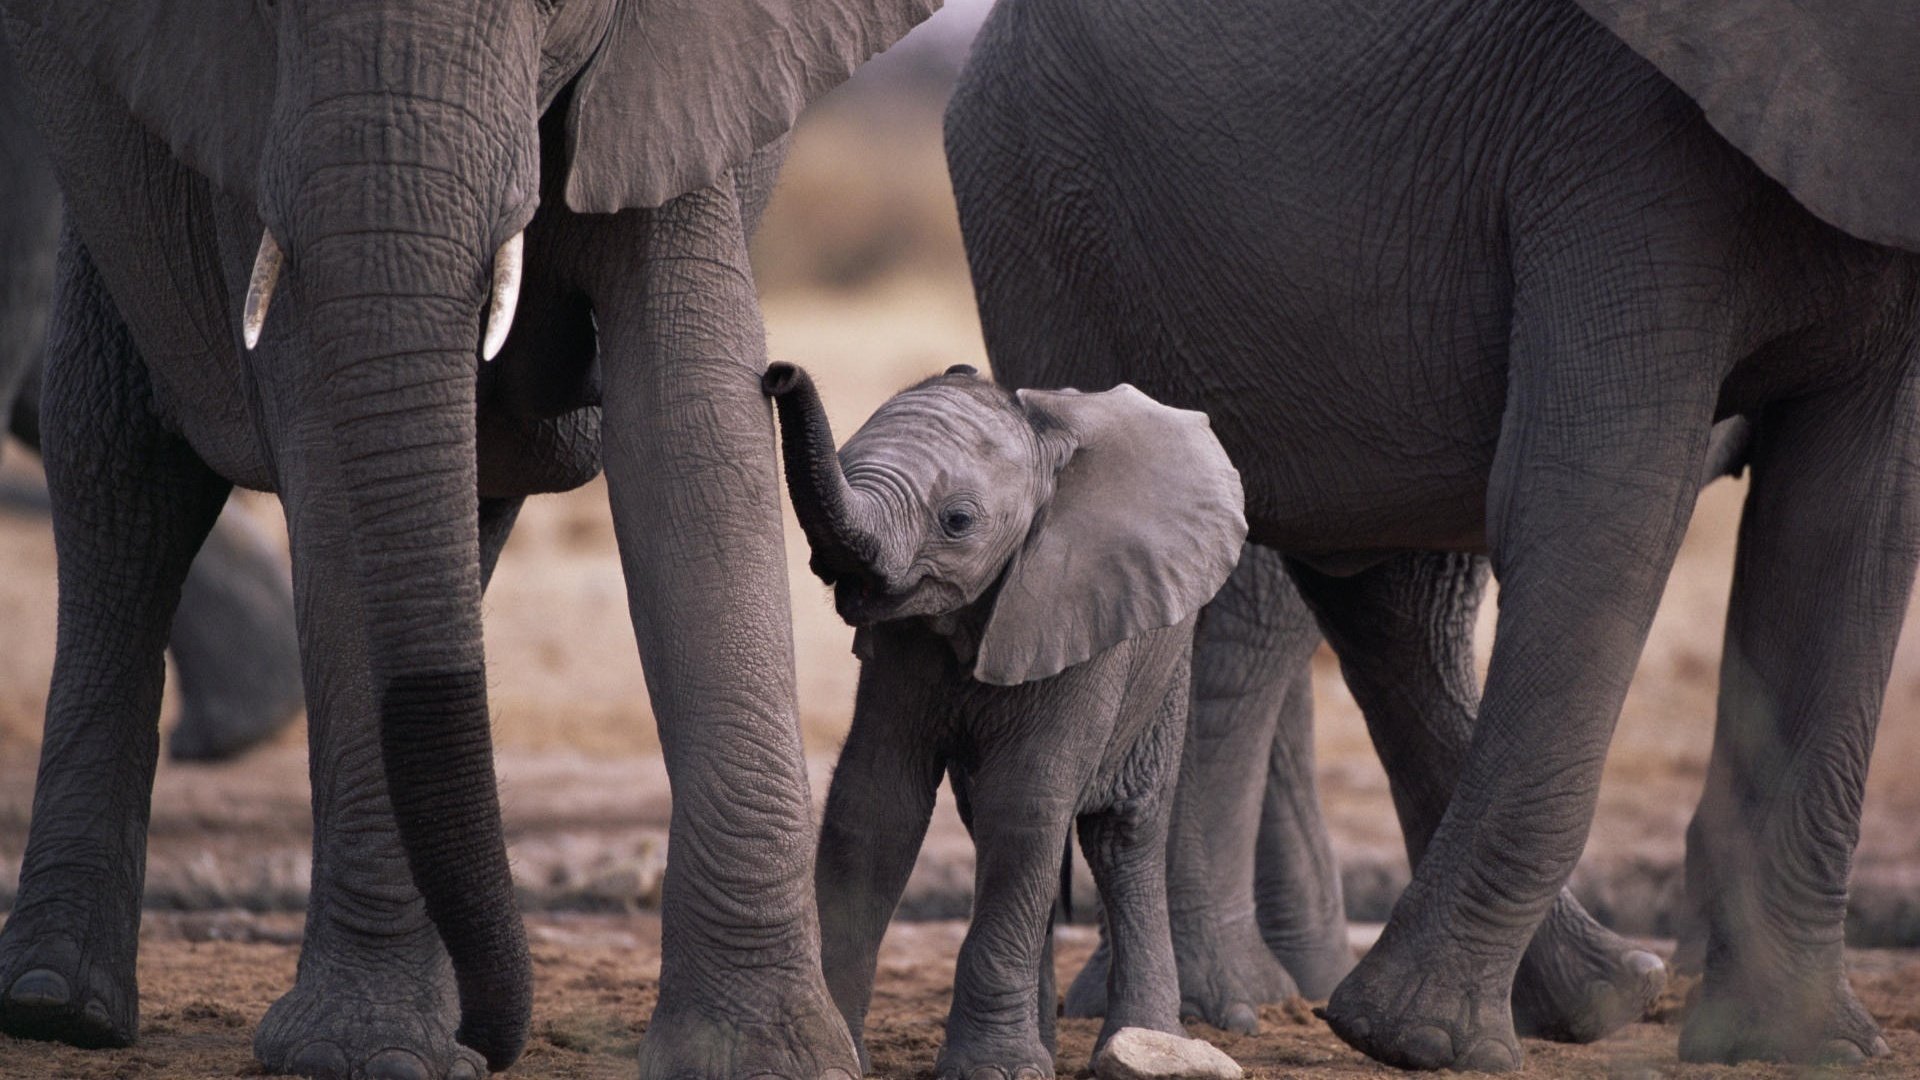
x=956, y=521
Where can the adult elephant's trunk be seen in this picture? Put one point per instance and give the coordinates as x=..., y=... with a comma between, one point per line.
x=842, y=544
x=389, y=312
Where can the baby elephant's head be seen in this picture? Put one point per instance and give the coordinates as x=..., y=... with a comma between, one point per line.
x=1082, y=520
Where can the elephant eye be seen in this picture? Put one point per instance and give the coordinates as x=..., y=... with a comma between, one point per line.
x=956, y=521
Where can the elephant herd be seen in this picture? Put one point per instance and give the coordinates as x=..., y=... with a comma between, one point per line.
x=1459, y=287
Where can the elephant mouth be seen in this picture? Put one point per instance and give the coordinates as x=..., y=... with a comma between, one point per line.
x=864, y=599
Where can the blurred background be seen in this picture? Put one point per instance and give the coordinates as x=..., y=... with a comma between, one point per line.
x=864, y=283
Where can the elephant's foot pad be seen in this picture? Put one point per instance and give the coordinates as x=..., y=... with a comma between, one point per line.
x=1815, y=1022
x=393, y=1027
x=805, y=1040
x=1580, y=982
x=52, y=989
x=1144, y=1054
x=1410, y=1016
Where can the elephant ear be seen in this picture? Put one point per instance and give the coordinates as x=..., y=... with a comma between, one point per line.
x=199, y=74
x=680, y=91
x=1823, y=96
x=1144, y=526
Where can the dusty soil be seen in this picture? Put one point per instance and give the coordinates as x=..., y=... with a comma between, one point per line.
x=206, y=980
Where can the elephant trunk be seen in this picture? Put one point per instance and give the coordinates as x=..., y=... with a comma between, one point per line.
x=404, y=433
x=385, y=306
x=822, y=501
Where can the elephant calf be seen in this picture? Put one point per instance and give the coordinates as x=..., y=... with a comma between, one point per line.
x=1023, y=571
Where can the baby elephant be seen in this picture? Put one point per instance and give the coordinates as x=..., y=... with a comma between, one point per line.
x=1023, y=571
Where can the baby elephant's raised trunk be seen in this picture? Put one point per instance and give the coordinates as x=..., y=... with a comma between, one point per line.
x=841, y=543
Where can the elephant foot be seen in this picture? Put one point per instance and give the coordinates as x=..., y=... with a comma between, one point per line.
x=1422, y=1008
x=1579, y=981
x=55, y=988
x=1226, y=974
x=1318, y=962
x=805, y=1040
x=1803, y=1021
x=220, y=729
x=990, y=1059
x=1220, y=984
x=382, y=1019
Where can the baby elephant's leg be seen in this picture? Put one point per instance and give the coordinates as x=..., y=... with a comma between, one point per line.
x=995, y=1029
x=1126, y=846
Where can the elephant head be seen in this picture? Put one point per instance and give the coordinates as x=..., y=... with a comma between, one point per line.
x=390, y=150
x=1034, y=528
x=1820, y=96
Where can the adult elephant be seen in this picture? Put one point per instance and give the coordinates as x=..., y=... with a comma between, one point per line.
x=295, y=231
x=232, y=640
x=1251, y=862
x=1480, y=276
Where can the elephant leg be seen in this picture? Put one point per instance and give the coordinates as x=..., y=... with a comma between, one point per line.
x=1018, y=834
x=1297, y=895
x=689, y=451
x=374, y=994
x=131, y=505
x=1251, y=643
x=1047, y=1006
x=1824, y=566
x=1587, y=500
x=1404, y=634
x=878, y=806
x=1126, y=845
x=234, y=646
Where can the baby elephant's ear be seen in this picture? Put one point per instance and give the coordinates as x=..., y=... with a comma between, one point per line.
x=1145, y=524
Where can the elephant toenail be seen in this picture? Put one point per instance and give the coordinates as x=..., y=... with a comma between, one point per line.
x=1026, y=1072
x=1879, y=1048
x=40, y=989
x=96, y=1011
x=463, y=1070
x=1645, y=965
x=1242, y=1020
x=1489, y=1055
x=1426, y=1047
x=396, y=1064
x=987, y=1072
x=319, y=1059
x=1839, y=1052
x=837, y=1073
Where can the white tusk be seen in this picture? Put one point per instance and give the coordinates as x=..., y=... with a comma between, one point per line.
x=266, y=274
x=506, y=294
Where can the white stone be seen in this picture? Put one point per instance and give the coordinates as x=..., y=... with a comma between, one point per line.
x=1143, y=1054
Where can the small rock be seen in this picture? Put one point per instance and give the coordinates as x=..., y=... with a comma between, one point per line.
x=1143, y=1054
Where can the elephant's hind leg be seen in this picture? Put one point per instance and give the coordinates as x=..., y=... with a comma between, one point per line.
x=131, y=505
x=234, y=647
x=1404, y=633
x=1825, y=563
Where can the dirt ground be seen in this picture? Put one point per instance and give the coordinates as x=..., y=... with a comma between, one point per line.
x=206, y=980
x=865, y=286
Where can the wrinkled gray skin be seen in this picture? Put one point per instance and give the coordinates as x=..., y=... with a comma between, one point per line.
x=1483, y=282
x=1250, y=846
x=388, y=151
x=926, y=525
x=232, y=641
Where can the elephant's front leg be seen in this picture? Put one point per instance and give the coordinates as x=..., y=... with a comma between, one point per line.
x=1404, y=634
x=1820, y=585
x=877, y=811
x=1019, y=829
x=1588, y=497
x=131, y=503
x=689, y=451
x=375, y=991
